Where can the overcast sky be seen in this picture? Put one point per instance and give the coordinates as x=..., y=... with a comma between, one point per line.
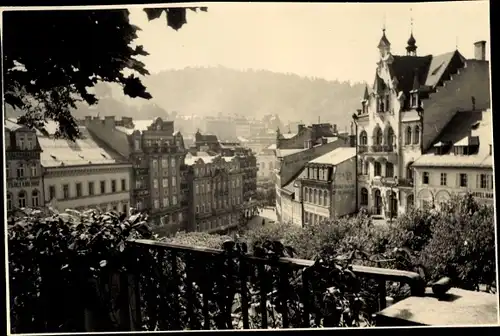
x=332, y=41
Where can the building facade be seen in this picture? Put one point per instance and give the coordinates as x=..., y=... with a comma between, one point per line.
x=215, y=191
x=325, y=189
x=23, y=171
x=459, y=161
x=81, y=175
x=295, y=150
x=410, y=103
x=156, y=152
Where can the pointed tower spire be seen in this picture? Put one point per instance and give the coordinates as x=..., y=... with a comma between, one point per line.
x=366, y=95
x=411, y=48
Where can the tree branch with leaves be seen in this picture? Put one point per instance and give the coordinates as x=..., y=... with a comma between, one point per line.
x=52, y=58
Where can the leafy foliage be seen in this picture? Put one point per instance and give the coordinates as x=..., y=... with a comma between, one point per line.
x=52, y=58
x=65, y=266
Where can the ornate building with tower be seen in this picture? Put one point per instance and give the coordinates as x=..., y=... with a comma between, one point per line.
x=411, y=101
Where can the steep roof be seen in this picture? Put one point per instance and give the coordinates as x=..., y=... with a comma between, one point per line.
x=405, y=68
x=336, y=156
x=470, y=127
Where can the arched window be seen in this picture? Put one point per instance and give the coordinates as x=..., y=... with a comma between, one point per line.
x=9, y=202
x=306, y=194
x=363, y=138
x=378, y=137
x=21, y=198
x=315, y=200
x=390, y=136
x=364, y=197
x=377, y=168
x=367, y=168
x=35, y=199
x=416, y=135
x=325, y=198
x=34, y=170
x=408, y=135
x=389, y=169
x=320, y=196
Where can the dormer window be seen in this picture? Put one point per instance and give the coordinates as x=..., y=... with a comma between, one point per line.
x=414, y=101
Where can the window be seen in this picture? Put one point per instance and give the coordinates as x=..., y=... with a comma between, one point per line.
x=444, y=179
x=113, y=186
x=124, y=184
x=463, y=180
x=363, y=138
x=52, y=192
x=378, y=137
x=21, y=198
x=155, y=164
x=409, y=171
x=377, y=168
x=414, y=99
x=315, y=196
x=172, y=163
x=156, y=203
x=35, y=202
x=484, y=181
x=174, y=181
x=408, y=136
x=165, y=202
x=137, y=144
x=9, y=202
x=364, y=197
x=20, y=170
x=78, y=190
x=21, y=142
x=103, y=187
x=164, y=183
x=138, y=205
x=320, y=198
x=325, y=198
x=174, y=200
x=29, y=143
x=91, y=188
x=65, y=191
x=306, y=194
x=155, y=184
x=389, y=169
x=164, y=163
x=425, y=178
x=416, y=135
x=197, y=188
x=34, y=170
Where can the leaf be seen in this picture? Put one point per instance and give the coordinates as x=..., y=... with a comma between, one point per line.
x=64, y=266
x=103, y=263
x=121, y=246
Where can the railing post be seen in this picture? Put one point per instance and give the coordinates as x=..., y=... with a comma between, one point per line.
x=283, y=291
x=175, y=289
x=382, y=294
x=263, y=294
x=244, y=297
x=305, y=299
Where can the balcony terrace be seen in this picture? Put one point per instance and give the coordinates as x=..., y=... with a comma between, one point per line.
x=163, y=286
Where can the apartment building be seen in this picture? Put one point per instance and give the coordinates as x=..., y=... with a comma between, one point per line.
x=325, y=189
x=295, y=150
x=156, y=152
x=246, y=161
x=412, y=100
x=82, y=175
x=215, y=191
x=23, y=172
x=459, y=161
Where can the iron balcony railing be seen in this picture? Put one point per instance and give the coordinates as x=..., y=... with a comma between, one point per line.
x=196, y=279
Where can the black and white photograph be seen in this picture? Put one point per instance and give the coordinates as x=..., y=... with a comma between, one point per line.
x=246, y=165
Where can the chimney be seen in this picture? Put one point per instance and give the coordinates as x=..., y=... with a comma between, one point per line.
x=480, y=50
x=109, y=121
x=300, y=127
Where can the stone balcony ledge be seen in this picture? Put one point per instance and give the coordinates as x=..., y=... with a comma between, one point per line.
x=458, y=307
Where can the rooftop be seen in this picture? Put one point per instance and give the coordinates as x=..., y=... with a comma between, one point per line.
x=287, y=152
x=83, y=151
x=205, y=158
x=336, y=156
x=470, y=127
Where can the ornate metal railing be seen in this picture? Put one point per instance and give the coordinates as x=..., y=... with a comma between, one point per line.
x=185, y=287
